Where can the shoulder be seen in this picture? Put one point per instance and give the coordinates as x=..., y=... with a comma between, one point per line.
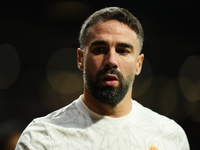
x=35, y=136
x=160, y=126
x=157, y=122
x=38, y=134
x=148, y=115
x=61, y=117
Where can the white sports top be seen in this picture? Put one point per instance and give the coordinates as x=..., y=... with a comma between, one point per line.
x=76, y=127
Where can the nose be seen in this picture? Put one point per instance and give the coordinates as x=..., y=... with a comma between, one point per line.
x=110, y=60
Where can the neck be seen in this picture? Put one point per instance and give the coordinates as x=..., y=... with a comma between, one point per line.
x=123, y=108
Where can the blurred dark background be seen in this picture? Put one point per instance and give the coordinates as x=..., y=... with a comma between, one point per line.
x=38, y=70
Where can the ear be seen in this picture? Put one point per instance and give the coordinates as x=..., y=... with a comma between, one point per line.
x=80, y=58
x=139, y=64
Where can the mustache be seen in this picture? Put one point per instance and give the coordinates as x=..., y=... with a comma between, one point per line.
x=108, y=71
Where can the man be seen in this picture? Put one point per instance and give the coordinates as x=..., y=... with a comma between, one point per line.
x=105, y=117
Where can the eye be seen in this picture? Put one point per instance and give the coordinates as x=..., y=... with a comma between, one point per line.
x=123, y=51
x=99, y=50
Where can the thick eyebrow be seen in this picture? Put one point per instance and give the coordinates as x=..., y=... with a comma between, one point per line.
x=125, y=45
x=98, y=43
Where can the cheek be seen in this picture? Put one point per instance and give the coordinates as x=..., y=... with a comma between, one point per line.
x=128, y=68
x=93, y=64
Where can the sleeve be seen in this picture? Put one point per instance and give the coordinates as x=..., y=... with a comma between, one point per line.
x=34, y=137
x=183, y=143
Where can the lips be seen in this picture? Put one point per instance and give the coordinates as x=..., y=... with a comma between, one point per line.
x=110, y=80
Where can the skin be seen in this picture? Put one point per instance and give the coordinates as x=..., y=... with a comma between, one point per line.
x=110, y=44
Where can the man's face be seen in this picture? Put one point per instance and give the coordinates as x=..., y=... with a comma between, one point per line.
x=110, y=59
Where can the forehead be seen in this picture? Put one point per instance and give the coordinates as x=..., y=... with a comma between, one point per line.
x=112, y=30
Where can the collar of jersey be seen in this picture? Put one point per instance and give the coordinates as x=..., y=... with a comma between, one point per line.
x=95, y=117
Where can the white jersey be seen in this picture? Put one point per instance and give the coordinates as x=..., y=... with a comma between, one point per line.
x=76, y=127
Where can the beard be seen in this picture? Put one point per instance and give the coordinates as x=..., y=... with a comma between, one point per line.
x=108, y=95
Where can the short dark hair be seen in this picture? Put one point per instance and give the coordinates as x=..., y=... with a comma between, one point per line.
x=112, y=13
